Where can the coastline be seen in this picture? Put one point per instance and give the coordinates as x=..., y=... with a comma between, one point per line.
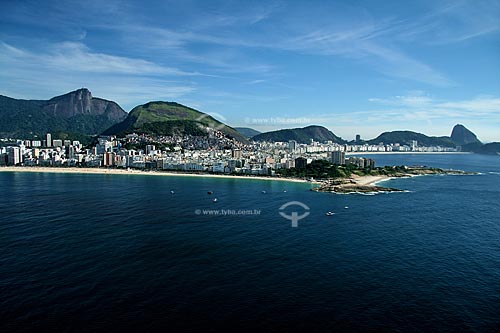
x=357, y=184
x=353, y=184
x=369, y=180
x=370, y=183
x=408, y=153
x=103, y=171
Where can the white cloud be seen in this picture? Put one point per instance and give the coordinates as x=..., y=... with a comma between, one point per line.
x=482, y=106
x=73, y=56
x=68, y=66
x=416, y=112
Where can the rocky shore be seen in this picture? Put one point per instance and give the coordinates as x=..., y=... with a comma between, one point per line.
x=367, y=183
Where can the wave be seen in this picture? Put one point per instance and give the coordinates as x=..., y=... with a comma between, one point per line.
x=373, y=193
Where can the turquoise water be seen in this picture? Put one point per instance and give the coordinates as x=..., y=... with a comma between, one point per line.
x=110, y=252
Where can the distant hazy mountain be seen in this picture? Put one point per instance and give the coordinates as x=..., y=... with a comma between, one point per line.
x=247, y=132
x=301, y=135
x=492, y=148
x=405, y=137
x=76, y=112
x=167, y=118
x=462, y=136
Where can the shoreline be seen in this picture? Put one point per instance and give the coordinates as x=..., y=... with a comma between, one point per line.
x=370, y=183
x=102, y=171
x=408, y=153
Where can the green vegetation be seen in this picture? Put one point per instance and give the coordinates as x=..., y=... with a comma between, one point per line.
x=323, y=169
x=175, y=127
x=247, y=132
x=32, y=119
x=166, y=118
x=319, y=169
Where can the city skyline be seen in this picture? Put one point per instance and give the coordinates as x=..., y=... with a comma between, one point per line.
x=358, y=68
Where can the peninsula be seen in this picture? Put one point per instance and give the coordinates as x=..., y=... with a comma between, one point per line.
x=367, y=183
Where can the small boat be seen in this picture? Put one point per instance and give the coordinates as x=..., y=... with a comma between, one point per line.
x=346, y=207
x=215, y=200
x=329, y=213
x=284, y=191
x=210, y=192
x=172, y=192
x=264, y=192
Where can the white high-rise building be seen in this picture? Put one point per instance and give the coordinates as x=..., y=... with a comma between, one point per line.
x=338, y=157
x=49, y=140
x=14, y=155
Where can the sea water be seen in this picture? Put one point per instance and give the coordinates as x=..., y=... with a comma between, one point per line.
x=86, y=251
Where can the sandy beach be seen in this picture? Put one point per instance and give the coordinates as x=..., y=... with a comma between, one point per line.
x=139, y=172
x=368, y=180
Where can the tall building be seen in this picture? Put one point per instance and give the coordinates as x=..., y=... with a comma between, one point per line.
x=150, y=148
x=292, y=145
x=49, y=140
x=300, y=162
x=337, y=157
x=236, y=153
x=14, y=155
x=109, y=159
x=414, y=144
x=70, y=151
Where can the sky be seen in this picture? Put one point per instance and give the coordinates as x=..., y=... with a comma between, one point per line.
x=355, y=67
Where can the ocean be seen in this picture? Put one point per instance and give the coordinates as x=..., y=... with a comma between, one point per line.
x=83, y=252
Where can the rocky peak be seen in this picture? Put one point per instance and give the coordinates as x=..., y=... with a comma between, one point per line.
x=462, y=136
x=81, y=102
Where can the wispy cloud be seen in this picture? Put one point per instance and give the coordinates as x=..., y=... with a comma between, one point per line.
x=416, y=111
x=453, y=22
x=245, y=57
x=478, y=107
x=78, y=57
x=67, y=66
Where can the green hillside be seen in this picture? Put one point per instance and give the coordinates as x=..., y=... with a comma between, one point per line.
x=168, y=118
x=247, y=132
x=301, y=135
x=492, y=148
x=74, y=115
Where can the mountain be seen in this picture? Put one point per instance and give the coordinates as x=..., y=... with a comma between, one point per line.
x=489, y=148
x=301, y=135
x=247, y=132
x=405, y=137
x=167, y=118
x=460, y=135
x=75, y=113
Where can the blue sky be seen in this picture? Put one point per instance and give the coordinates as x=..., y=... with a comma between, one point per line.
x=356, y=67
